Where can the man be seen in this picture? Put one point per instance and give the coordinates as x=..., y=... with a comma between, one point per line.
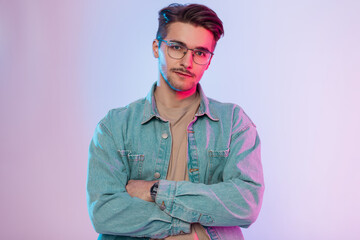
x=176, y=164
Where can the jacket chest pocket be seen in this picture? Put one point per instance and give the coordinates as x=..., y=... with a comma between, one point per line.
x=135, y=163
x=217, y=161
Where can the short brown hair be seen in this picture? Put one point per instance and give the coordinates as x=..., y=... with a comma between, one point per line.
x=196, y=14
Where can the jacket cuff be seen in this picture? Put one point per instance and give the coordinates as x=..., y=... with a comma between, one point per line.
x=179, y=227
x=166, y=200
x=165, y=195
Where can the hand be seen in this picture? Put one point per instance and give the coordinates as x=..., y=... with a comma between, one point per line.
x=140, y=189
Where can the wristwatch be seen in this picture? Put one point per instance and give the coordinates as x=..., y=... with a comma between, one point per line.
x=153, y=190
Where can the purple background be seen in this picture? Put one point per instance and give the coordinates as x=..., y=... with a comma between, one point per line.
x=292, y=65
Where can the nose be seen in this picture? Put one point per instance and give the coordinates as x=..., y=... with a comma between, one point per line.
x=188, y=60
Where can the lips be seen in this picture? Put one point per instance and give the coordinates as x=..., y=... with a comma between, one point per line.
x=183, y=73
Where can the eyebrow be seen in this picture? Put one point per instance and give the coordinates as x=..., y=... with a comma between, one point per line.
x=181, y=43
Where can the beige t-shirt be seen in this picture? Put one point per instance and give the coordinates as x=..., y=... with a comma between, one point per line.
x=179, y=119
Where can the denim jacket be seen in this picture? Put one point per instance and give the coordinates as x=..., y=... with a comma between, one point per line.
x=225, y=186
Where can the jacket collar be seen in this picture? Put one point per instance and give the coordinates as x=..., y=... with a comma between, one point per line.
x=150, y=109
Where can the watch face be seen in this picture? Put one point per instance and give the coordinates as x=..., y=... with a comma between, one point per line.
x=153, y=190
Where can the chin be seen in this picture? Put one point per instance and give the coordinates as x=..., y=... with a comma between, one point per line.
x=184, y=88
x=181, y=87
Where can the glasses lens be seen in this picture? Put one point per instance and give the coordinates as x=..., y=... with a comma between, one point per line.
x=201, y=56
x=176, y=50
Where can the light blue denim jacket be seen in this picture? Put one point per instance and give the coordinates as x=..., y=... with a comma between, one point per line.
x=226, y=181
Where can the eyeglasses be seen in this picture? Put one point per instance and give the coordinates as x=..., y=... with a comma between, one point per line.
x=178, y=51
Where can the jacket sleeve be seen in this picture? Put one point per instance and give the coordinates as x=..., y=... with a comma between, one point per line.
x=112, y=210
x=234, y=201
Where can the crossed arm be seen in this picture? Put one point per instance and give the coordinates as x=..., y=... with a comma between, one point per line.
x=119, y=206
x=140, y=189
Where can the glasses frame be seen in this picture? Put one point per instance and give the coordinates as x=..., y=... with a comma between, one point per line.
x=187, y=49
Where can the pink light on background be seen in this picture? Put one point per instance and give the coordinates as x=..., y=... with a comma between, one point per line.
x=293, y=67
x=43, y=145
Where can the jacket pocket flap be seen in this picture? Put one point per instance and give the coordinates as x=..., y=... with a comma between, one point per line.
x=223, y=153
x=131, y=157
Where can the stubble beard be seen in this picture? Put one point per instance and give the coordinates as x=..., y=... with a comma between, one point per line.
x=179, y=85
x=175, y=82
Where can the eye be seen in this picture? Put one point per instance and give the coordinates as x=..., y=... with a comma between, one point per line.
x=201, y=53
x=176, y=47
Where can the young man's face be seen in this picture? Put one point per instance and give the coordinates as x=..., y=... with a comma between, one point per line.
x=183, y=74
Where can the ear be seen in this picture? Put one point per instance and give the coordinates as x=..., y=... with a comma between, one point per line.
x=155, y=48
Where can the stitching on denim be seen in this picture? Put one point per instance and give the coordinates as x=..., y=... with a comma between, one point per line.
x=109, y=132
x=248, y=126
x=197, y=156
x=213, y=155
x=170, y=144
x=244, y=129
x=105, y=128
x=213, y=232
x=217, y=235
x=220, y=153
x=124, y=153
x=157, y=157
x=173, y=197
x=206, y=219
x=209, y=219
x=193, y=140
x=138, y=162
x=136, y=159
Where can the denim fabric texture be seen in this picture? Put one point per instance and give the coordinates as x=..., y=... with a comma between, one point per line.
x=225, y=187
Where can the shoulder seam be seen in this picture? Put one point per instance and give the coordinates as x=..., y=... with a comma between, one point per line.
x=105, y=128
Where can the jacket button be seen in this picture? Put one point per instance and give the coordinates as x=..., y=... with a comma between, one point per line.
x=157, y=175
x=162, y=206
x=164, y=135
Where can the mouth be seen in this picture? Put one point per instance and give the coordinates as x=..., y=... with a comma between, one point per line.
x=183, y=74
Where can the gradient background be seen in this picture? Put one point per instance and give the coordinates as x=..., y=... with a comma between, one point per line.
x=292, y=65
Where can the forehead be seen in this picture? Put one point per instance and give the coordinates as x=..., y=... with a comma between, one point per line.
x=193, y=36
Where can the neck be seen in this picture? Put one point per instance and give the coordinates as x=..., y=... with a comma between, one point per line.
x=172, y=98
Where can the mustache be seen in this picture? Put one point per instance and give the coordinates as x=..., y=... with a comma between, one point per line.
x=183, y=71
